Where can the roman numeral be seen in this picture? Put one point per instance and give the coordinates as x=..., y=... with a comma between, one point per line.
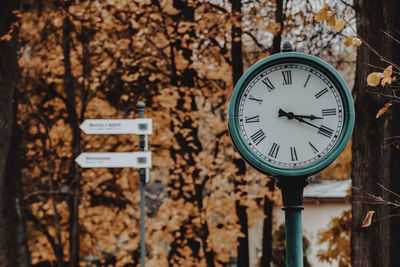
x=314, y=149
x=305, y=84
x=287, y=77
x=274, y=150
x=329, y=112
x=325, y=131
x=252, y=119
x=320, y=93
x=258, y=136
x=259, y=101
x=268, y=83
x=293, y=153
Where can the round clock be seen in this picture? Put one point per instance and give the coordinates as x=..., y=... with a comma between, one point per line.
x=291, y=114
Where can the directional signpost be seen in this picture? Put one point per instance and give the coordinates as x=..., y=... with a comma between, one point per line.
x=114, y=160
x=140, y=159
x=117, y=126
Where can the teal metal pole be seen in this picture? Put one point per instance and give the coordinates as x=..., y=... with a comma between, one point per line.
x=294, y=240
x=292, y=198
x=142, y=176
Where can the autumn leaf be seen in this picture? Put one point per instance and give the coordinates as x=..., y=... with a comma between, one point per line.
x=322, y=14
x=373, y=79
x=339, y=24
x=383, y=110
x=5, y=37
x=387, y=73
x=168, y=7
x=387, y=80
x=349, y=40
x=356, y=42
x=368, y=219
x=330, y=21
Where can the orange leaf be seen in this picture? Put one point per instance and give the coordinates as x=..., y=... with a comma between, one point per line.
x=387, y=80
x=330, y=21
x=373, y=79
x=339, y=24
x=368, y=219
x=388, y=72
x=321, y=15
x=349, y=40
x=5, y=37
x=383, y=110
x=356, y=42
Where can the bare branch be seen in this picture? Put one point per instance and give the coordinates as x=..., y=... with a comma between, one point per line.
x=390, y=191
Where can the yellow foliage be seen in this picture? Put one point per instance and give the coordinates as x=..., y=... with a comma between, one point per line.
x=384, y=78
x=387, y=73
x=373, y=79
x=322, y=14
x=356, y=42
x=339, y=24
x=337, y=240
x=331, y=21
x=349, y=40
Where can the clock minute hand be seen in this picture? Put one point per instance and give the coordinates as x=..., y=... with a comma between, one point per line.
x=306, y=122
x=311, y=117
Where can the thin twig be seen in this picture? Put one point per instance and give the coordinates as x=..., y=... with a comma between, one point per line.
x=382, y=58
x=387, y=217
x=390, y=191
x=391, y=37
x=379, y=200
x=382, y=94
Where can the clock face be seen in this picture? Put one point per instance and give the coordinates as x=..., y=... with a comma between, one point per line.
x=291, y=116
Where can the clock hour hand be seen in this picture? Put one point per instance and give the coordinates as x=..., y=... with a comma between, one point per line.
x=291, y=115
x=282, y=113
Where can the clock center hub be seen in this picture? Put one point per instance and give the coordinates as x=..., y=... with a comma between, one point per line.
x=290, y=115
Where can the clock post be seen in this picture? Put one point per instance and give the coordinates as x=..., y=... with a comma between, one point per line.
x=292, y=198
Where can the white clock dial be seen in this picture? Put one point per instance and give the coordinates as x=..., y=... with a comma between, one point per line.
x=290, y=115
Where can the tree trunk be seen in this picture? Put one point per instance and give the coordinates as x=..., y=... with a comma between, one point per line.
x=394, y=172
x=13, y=241
x=74, y=182
x=372, y=155
x=280, y=18
x=267, y=234
x=237, y=71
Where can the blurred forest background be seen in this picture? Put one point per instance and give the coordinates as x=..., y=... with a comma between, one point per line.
x=62, y=62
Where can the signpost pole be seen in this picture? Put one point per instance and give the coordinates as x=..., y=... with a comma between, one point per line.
x=292, y=197
x=142, y=176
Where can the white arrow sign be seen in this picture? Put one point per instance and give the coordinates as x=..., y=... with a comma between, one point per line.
x=117, y=126
x=114, y=159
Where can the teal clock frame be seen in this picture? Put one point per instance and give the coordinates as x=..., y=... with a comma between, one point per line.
x=291, y=57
